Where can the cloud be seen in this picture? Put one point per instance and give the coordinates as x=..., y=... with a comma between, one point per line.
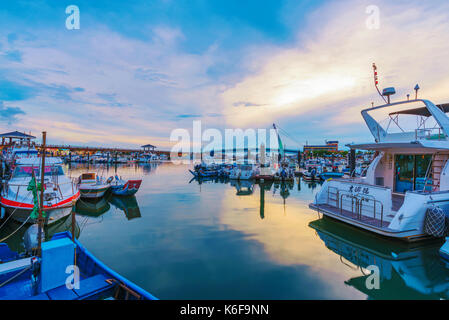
x=328, y=72
x=9, y=114
x=144, y=86
x=13, y=55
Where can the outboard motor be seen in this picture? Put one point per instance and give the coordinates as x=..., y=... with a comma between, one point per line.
x=30, y=238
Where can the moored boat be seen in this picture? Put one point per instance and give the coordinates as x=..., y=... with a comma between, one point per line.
x=91, y=185
x=405, y=191
x=45, y=277
x=120, y=187
x=17, y=198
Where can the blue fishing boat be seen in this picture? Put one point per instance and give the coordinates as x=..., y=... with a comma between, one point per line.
x=204, y=173
x=120, y=187
x=331, y=175
x=65, y=271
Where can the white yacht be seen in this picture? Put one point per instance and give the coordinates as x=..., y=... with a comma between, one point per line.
x=59, y=190
x=408, y=180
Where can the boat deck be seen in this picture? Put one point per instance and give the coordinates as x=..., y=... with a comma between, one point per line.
x=351, y=215
x=396, y=201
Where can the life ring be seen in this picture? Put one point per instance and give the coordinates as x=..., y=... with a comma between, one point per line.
x=110, y=179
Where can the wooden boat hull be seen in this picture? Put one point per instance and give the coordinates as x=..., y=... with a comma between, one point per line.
x=127, y=189
x=91, y=193
x=97, y=282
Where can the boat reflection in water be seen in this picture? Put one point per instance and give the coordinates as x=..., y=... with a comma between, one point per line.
x=92, y=207
x=201, y=180
x=97, y=207
x=128, y=204
x=243, y=187
x=406, y=271
x=263, y=186
x=15, y=242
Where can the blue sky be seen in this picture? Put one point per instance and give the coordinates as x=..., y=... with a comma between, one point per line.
x=136, y=70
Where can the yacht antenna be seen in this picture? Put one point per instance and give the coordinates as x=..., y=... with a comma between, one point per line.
x=416, y=91
x=376, y=82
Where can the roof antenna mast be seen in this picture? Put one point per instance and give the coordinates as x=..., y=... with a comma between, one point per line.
x=376, y=82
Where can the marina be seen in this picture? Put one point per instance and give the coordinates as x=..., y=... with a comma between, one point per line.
x=213, y=152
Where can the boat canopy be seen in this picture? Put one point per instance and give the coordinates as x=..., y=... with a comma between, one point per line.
x=421, y=131
x=36, y=161
x=439, y=145
x=423, y=111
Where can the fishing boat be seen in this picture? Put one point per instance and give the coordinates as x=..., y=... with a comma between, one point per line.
x=18, y=200
x=284, y=173
x=243, y=172
x=91, y=185
x=204, y=170
x=45, y=277
x=120, y=187
x=405, y=191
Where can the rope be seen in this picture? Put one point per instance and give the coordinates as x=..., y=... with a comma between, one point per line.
x=14, y=211
x=15, y=276
x=7, y=237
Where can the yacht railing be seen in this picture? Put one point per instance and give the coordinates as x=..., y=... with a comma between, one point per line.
x=427, y=134
x=359, y=203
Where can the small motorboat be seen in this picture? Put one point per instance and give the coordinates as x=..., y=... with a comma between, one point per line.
x=284, y=174
x=48, y=277
x=331, y=175
x=201, y=173
x=243, y=172
x=120, y=187
x=91, y=185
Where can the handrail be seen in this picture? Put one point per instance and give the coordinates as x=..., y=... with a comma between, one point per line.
x=359, y=205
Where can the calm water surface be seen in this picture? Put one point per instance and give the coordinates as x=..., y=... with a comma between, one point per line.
x=182, y=239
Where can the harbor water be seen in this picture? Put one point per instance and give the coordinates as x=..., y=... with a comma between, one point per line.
x=180, y=238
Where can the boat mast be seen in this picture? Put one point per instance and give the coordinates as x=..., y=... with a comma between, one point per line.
x=40, y=218
x=279, y=141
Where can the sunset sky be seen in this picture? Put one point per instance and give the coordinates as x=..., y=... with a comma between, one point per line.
x=138, y=69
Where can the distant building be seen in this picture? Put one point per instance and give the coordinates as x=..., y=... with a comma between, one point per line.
x=329, y=146
x=15, y=136
x=148, y=147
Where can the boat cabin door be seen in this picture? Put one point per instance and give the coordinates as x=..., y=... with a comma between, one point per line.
x=410, y=172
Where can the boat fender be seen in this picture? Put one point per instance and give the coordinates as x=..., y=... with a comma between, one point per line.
x=2, y=215
x=435, y=222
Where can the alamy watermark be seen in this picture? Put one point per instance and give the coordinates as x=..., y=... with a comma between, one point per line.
x=72, y=22
x=373, y=20
x=191, y=146
x=73, y=280
x=373, y=280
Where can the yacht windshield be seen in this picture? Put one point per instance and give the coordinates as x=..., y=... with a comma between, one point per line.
x=26, y=171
